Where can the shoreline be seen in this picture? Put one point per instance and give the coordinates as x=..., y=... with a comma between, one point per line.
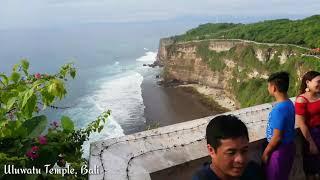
x=209, y=96
x=215, y=95
x=167, y=105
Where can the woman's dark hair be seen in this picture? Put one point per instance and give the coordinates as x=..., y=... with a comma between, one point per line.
x=225, y=127
x=307, y=76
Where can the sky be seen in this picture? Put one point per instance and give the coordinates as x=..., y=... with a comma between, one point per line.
x=41, y=13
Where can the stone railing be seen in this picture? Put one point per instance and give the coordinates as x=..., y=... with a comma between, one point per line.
x=158, y=153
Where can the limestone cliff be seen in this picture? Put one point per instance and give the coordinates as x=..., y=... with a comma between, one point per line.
x=228, y=64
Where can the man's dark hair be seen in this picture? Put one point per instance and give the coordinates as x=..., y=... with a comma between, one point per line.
x=225, y=127
x=280, y=80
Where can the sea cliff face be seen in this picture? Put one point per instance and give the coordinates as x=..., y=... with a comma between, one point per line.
x=233, y=66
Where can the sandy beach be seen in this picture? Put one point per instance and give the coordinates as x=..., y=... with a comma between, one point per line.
x=170, y=105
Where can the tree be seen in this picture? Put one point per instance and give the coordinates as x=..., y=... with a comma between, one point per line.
x=24, y=140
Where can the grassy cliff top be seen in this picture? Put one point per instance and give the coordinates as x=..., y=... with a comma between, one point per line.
x=305, y=32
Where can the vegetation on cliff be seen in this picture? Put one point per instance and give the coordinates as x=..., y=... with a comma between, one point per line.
x=206, y=100
x=251, y=63
x=253, y=90
x=305, y=32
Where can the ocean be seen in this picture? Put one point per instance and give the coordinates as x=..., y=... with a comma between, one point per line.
x=110, y=74
x=109, y=59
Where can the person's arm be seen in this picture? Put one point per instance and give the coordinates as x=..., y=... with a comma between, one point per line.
x=301, y=122
x=274, y=142
x=306, y=134
x=278, y=124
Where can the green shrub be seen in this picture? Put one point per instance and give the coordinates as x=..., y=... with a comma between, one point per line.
x=24, y=140
x=305, y=32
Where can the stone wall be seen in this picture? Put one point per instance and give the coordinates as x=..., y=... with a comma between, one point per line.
x=137, y=156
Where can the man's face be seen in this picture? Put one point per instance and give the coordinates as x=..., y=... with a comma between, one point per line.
x=231, y=157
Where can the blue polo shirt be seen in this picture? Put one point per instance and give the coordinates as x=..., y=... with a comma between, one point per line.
x=282, y=117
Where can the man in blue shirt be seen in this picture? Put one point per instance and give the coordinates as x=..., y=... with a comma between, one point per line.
x=279, y=154
x=227, y=144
